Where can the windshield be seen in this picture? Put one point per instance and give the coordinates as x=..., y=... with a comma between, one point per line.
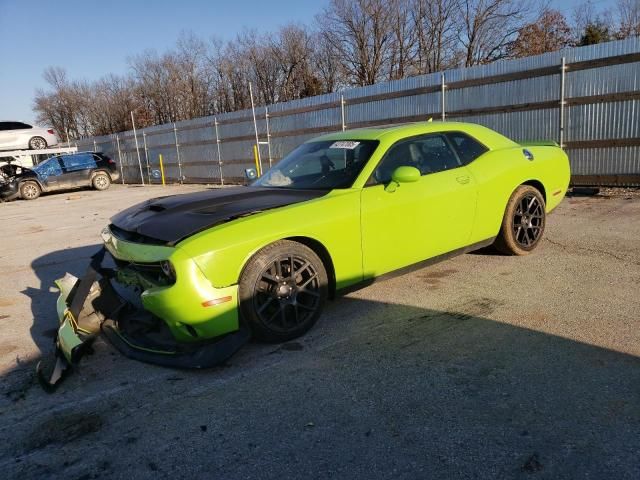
x=320, y=165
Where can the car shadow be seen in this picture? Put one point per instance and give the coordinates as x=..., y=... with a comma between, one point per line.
x=416, y=392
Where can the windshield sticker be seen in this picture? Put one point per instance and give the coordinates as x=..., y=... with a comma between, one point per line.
x=348, y=144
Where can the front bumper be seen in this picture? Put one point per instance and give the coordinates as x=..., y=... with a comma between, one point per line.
x=90, y=306
x=192, y=308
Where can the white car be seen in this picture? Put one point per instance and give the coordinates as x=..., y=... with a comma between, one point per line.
x=21, y=136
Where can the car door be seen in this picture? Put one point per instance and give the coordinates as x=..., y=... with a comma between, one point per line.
x=50, y=174
x=77, y=169
x=419, y=220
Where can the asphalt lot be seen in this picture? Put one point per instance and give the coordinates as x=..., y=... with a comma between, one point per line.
x=483, y=366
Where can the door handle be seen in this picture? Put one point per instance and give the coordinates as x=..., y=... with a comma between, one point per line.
x=463, y=180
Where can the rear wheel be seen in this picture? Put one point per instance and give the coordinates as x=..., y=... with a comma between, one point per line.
x=523, y=223
x=101, y=181
x=30, y=190
x=282, y=291
x=37, y=143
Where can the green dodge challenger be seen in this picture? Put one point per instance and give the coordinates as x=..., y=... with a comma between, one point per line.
x=215, y=267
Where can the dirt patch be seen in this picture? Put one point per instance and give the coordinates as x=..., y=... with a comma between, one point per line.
x=437, y=274
x=63, y=429
x=432, y=278
x=5, y=302
x=6, y=349
x=34, y=229
x=74, y=197
x=289, y=347
x=18, y=383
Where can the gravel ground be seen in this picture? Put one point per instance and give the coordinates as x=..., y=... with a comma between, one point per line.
x=483, y=366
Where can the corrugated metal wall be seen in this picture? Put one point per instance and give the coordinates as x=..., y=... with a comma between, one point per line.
x=519, y=98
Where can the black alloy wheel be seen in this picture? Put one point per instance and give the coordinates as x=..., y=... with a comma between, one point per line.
x=523, y=222
x=282, y=291
x=528, y=221
x=287, y=293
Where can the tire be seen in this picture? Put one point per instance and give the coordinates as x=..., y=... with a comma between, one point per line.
x=101, y=181
x=30, y=190
x=523, y=223
x=37, y=143
x=276, y=305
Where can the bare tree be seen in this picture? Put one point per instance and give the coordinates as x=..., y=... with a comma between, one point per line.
x=488, y=27
x=328, y=66
x=434, y=23
x=61, y=107
x=403, y=40
x=360, y=33
x=629, y=14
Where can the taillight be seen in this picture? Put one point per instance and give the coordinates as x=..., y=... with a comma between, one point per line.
x=51, y=132
x=110, y=161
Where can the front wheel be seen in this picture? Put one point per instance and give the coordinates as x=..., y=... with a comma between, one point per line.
x=282, y=291
x=30, y=190
x=523, y=223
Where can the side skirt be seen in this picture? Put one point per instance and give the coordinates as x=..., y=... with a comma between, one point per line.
x=416, y=266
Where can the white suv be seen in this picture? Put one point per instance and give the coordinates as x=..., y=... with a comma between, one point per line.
x=20, y=136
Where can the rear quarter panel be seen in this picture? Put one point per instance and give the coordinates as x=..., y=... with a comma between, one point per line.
x=499, y=172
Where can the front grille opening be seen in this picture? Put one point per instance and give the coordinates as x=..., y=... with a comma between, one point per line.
x=152, y=272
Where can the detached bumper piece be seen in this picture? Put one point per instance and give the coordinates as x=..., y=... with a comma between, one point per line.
x=90, y=306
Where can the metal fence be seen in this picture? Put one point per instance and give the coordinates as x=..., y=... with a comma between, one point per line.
x=587, y=99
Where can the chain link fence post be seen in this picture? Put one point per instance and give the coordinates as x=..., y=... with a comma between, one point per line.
x=175, y=134
x=215, y=124
x=120, y=159
x=146, y=157
x=443, y=90
x=563, y=70
x=266, y=119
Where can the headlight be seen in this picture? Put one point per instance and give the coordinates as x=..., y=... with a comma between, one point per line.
x=168, y=269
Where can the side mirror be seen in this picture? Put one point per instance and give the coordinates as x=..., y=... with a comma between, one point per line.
x=402, y=175
x=250, y=174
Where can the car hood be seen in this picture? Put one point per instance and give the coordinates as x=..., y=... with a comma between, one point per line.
x=174, y=218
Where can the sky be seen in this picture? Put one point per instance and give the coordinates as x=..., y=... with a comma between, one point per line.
x=91, y=38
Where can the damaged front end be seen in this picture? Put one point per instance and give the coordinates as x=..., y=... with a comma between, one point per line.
x=91, y=306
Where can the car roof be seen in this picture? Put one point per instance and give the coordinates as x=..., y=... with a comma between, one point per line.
x=399, y=131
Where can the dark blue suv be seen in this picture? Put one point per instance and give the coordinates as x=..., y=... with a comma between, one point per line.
x=62, y=172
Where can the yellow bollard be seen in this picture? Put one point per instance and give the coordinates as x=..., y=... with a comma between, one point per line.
x=255, y=156
x=162, y=170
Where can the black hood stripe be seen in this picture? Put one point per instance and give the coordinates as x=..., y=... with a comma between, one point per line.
x=171, y=219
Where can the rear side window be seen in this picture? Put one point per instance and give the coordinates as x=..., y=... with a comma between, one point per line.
x=467, y=148
x=82, y=161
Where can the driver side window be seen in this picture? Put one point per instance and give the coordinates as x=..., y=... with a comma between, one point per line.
x=428, y=153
